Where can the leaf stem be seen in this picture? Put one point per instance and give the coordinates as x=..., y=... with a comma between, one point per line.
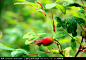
x=59, y=44
x=81, y=26
x=37, y=53
x=81, y=53
x=53, y=21
x=85, y=12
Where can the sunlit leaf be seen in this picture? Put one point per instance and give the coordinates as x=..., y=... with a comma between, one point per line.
x=5, y=48
x=61, y=8
x=30, y=36
x=49, y=6
x=20, y=53
x=27, y=42
x=41, y=34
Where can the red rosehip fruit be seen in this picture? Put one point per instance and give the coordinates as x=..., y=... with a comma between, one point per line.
x=47, y=41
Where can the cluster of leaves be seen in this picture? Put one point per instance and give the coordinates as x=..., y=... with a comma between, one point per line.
x=15, y=52
x=70, y=24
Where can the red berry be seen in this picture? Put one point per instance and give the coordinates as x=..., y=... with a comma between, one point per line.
x=47, y=41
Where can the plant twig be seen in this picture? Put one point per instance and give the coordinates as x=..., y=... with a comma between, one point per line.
x=73, y=38
x=37, y=53
x=85, y=12
x=58, y=43
x=79, y=48
x=53, y=21
x=81, y=53
x=81, y=26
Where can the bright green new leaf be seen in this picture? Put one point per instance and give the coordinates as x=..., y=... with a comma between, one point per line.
x=5, y=48
x=41, y=34
x=55, y=51
x=0, y=34
x=27, y=42
x=49, y=6
x=31, y=36
x=61, y=8
x=73, y=44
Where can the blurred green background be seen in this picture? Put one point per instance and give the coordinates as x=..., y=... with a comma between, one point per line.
x=17, y=20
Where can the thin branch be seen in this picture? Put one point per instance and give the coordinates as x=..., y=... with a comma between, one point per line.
x=81, y=26
x=83, y=4
x=53, y=21
x=73, y=38
x=37, y=53
x=58, y=43
x=85, y=12
x=81, y=53
x=79, y=48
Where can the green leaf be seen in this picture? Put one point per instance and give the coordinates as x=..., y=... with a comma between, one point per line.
x=20, y=53
x=49, y=6
x=55, y=51
x=81, y=11
x=73, y=44
x=72, y=4
x=60, y=35
x=61, y=8
x=78, y=20
x=74, y=34
x=5, y=48
x=27, y=42
x=57, y=19
x=58, y=25
x=41, y=34
x=30, y=36
x=42, y=54
x=0, y=34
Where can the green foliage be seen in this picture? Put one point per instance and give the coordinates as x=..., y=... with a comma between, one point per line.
x=49, y=6
x=22, y=18
x=42, y=54
x=73, y=44
x=27, y=42
x=61, y=8
x=70, y=24
x=60, y=35
x=5, y=48
x=31, y=36
x=72, y=4
x=81, y=11
x=78, y=20
x=20, y=53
